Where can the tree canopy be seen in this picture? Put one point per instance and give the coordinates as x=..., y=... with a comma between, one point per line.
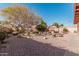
x=20, y=16
x=56, y=24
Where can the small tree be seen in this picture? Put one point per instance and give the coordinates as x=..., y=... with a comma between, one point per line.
x=41, y=27
x=20, y=16
x=56, y=24
x=61, y=25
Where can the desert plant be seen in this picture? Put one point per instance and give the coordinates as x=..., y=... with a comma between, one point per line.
x=7, y=30
x=61, y=25
x=20, y=16
x=75, y=31
x=41, y=27
x=3, y=35
x=65, y=30
x=56, y=24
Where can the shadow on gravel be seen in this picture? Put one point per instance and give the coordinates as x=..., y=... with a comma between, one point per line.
x=29, y=47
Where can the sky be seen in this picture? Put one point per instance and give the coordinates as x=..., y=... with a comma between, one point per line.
x=62, y=13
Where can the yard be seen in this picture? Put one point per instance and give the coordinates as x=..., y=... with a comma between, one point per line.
x=37, y=46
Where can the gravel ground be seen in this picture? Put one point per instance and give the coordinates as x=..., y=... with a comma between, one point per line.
x=37, y=46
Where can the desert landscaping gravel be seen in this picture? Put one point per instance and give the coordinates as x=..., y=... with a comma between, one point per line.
x=38, y=46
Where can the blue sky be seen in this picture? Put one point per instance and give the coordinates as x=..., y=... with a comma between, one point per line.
x=62, y=13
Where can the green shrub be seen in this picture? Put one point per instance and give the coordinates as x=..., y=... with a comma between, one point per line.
x=41, y=27
x=75, y=31
x=65, y=30
x=2, y=36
